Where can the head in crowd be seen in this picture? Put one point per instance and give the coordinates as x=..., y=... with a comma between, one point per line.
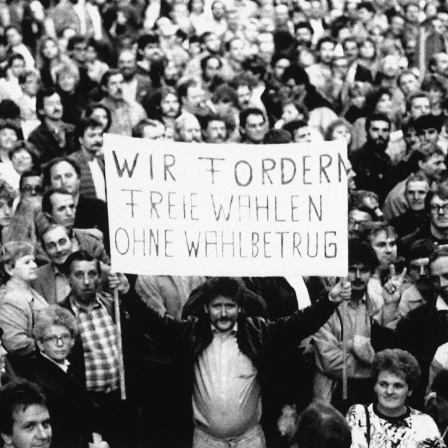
x=432, y=164
x=304, y=34
x=438, y=271
x=216, y=129
x=31, y=185
x=396, y=373
x=192, y=97
x=299, y=130
x=253, y=125
x=225, y=99
x=57, y=244
x=428, y=128
x=24, y=157
x=417, y=187
x=408, y=82
x=29, y=83
x=112, y=84
x=59, y=207
x=211, y=66
x=7, y=196
x=320, y=425
x=83, y=272
x=357, y=215
x=339, y=129
x=49, y=105
x=378, y=127
x=410, y=134
x=418, y=104
x=436, y=205
x=55, y=330
x=17, y=258
x=418, y=256
x=68, y=78
x=89, y=134
x=63, y=172
x=362, y=263
x=9, y=136
x=187, y=128
x=277, y=136
x=24, y=417
x=293, y=110
x=279, y=63
x=100, y=113
x=149, y=129
x=438, y=64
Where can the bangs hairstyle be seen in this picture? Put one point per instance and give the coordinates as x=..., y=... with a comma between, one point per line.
x=54, y=315
x=10, y=252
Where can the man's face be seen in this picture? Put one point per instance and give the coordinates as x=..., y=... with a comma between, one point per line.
x=63, y=175
x=218, y=11
x=433, y=167
x=52, y=107
x=428, y=139
x=194, y=100
x=409, y=84
x=303, y=36
x=216, y=131
x=191, y=130
x=212, y=44
x=31, y=187
x=56, y=343
x=152, y=52
x=415, y=194
x=412, y=14
x=127, y=64
x=30, y=429
x=441, y=65
x=255, y=128
x=244, y=95
x=236, y=51
x=57, y=245
x=280, y=67
x=92, y=140
x=151, y=132
x=385, y=247
x=170, y=106
x=438, y=208
x=351, y=183
x=351, y=50
x=419, y=107
x=378, y=133
x=18, y=67
x=5, y=213
x=84, y=280
x=79, y=52
x=411, y=139
x=64, y=210
x=326, y=52
x=439, y=276
x=358, y=275
x=115, y=86
x=223, y=313
x=302, y=135
x=357, y=217
x=8, y=139
x=212, y=68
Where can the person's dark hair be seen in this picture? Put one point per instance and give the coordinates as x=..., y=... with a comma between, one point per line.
x=74, y=40
x=420, y=249
x=416, y=177
x=146, y=39
x=80, y=255
x=361, y=252
x=40, y=97
x=105, y=78
x=28, y=74
x=91, y=109
x=440, y=384
x=440, y=190
x=9, y=110
x=304, y=24
x=294, y=125
x=47, y=206
x=7, y=124
x=278, y=57
x=139, y=128
x=323, y=40
x=320, y=425
x=277, y=136
x=205, y=60
x=13, y=57
x=366, y=5
x=183, y=87
x=29, y=148
x=256, y=65
x=414, y=96
x=84, y=124
x=49, y=166
x=334, y=124
x=434, y=82
x=226, y=94
x=377, y=117
x=296, y=72
x=429, y=121
x=371, y=229
x=17, y=395
x=25, y=175
x=250, y=111
x=400, y=363
x=407, y=124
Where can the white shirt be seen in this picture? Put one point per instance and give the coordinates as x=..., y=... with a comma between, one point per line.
x=98, y=179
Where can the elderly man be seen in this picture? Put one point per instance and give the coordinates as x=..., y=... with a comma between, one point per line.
x=226, y=355
x=24, y=417
x=187, y=129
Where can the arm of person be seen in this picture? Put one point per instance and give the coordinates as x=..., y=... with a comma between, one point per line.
x=14, y=321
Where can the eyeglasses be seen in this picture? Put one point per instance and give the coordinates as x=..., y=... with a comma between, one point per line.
x=64, y=338
x=438, y=208
x=32, y=189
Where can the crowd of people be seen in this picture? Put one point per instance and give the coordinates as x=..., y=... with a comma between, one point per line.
x=175, y=362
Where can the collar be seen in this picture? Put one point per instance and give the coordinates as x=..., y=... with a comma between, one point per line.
x=77, y=308
x=57, y=271
x=441, y=305
x=355, y=303
x=63, y=366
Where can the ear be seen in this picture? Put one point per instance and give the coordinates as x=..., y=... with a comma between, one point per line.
x=7, y=439
x=80, y=140
x=420, y=163
x=40, y=345
x=9, y=269
x=410, y=392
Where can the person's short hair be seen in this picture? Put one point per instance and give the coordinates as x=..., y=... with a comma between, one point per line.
x=405, y=73
x=250, y=111
x=80, y=255
x=207, y=58
x=361, y=252
x=74, y=40
x=440, y=190
x=105, y=78
x=296, y=72
x=255, y=64
x=29, y=148
x=47, y=205
x=277, y=136
x=278, y=57
x=294, y=125
x=84, y=124
x=11, y=251
x=366, y=5
x=41, y=95
x=413, y=97
x=434, y=82
x=228, y=44
x=320, y=425
x=377, y=117
x=231, y=287
x=26, y=175
x=334, y=124
x=49, y=228
x=139, y=128
x=226, y=94
x=7, y=124
x=323, y=40
x=146, y=39
x=69, y=69
x=371, y=229
x=54, y=315
x=7, y=193
x=49, y=166
x=400, y=363
x=28, y=74
x=440, y=252
x=420, y=249
x=17, y=396
x=179, y=123
x=304, y=24
x=182, y=89
x=91, y=109
x=429, y=121
x=416, y=177
x=13, y=57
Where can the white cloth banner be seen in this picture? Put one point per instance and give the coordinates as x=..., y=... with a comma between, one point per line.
x=226, y=210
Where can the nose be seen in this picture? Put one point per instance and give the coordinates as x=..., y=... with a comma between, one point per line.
x=41, y=431
x=86, y=279
x=223, y=311
x=443, y=282
x=390, y=389
x=358, y=273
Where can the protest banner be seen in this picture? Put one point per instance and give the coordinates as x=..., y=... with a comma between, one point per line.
x=226, y=210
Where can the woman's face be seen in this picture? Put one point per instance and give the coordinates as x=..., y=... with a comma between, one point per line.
x=290, y=113
x=384, y=105
x=25, y=269
x=8, y=138
x=67, y=82
x=391, y=391
x=341, y=132
x=22, y=161
x=50, y=50
x=5, y=213
x=367, y=50
x=435, y=95
x=101, y=115
x=91, y=54
x=13, y=37
x=31, y=85
x=56, y=342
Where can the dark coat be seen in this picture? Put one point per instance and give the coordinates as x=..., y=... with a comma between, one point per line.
x=71, y=411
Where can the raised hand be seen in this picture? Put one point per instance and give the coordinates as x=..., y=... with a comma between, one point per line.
x=392, y=289
x=341, y=291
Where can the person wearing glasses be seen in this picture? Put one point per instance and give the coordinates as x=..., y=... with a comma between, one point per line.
x=70, y=408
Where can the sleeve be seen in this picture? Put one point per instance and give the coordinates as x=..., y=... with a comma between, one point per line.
x=357, y=420
x=14, y=321
x=146, y=288
x=427, y=433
